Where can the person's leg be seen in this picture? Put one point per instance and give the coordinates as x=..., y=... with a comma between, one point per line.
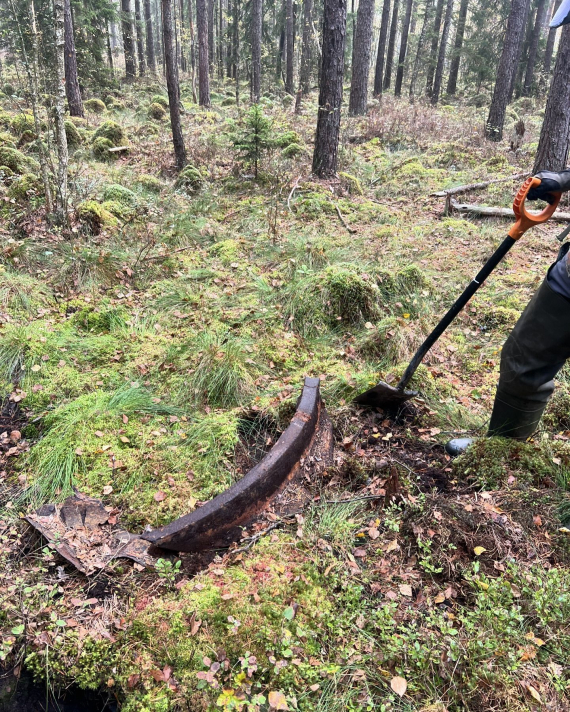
x=535, y=351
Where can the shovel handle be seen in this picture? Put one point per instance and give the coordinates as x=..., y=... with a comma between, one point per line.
x=526, y=220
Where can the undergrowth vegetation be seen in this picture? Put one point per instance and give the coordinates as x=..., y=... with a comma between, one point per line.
x=157, y=352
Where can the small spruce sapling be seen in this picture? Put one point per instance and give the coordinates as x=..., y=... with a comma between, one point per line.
x=255, y=138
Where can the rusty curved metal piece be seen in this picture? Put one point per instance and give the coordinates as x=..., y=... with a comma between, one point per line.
x=306, y=442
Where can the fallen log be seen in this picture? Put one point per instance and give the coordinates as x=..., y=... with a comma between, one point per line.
x=477, y=186
x=490, y=212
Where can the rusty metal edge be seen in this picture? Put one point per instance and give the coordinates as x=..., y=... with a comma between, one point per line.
x=219, y=520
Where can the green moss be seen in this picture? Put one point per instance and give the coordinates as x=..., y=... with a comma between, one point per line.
x=26, y=138
x=5, y=173
x=21, y=123
x=120, y=194
x=351, y=183
x=292, y=150
x=72, y=134
x=24, y=187
x=157, y=112
x=7, y=139
x=287, y=138
x=94, y=106
x=490, y=461
x=112, y=131
x=119, y=210
x=150, y=183
x=227, y=250
x=100, y=148
x=99, y=321
x=9, y=89
x=160, y=99
x=16, y=161
x=228, y=101
x=557, y=414
x=95, y=216
x=189, y=180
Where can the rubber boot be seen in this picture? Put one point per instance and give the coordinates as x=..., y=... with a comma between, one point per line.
x=535, y=351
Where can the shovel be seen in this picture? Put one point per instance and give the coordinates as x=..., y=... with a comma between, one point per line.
x=389, y=397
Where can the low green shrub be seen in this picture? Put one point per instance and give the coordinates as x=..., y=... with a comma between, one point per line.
x=94, y=106
x=157, y=111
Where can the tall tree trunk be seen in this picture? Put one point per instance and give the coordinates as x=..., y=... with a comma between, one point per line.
x=420, y=48
x=541, y=11
x=305, y=71
x=434, y=46
x=110, y=52
x=290, y=44
x=507, y=65
x=183, y=61
x=553, y=144
x=438, y=79
x=140, y=42
x=221, y=35
x=237, y=12
x=172, y=84
x=203, y=58
x=518, y=71
x=256, y=30
x=192, y=50
x=61, y=138
x=33, y=71
x=71, y=79
x=358, y=101
x=150, y=58
x=403, y=49
x=211, y=25
x=128, y=41
x=391, y=46
x=549, y=50
x=457, y=47
x=379, y=70
x=325, y=155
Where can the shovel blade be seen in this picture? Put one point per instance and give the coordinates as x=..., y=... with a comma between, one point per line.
x=384, y=396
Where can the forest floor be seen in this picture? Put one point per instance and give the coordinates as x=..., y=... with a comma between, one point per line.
x=153, y=356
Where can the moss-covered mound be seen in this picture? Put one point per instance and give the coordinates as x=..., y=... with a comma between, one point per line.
x=189, y=180
x=21, y=123
x=119, y=194
x=16, y=161
x=95, y=216
x=72, y=134
x=100, y=148
x=94, y=106
x=24, y=187
x=156, y=111
x=112, y=131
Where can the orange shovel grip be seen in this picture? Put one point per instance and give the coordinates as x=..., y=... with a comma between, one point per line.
x=526, y=220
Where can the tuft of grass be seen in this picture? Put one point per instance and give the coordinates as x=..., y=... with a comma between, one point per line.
x=56, y=459
x=223, y=375
x=334, y=522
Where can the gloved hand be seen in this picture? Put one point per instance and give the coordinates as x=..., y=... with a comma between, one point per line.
x=550, y=183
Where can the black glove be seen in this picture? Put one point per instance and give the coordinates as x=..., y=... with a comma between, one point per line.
x=550, y=183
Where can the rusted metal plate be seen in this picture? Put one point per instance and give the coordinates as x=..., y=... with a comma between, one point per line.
x=219, y=521
x=79, y=530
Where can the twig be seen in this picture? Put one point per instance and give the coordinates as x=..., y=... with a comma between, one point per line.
x=494, y=212
x=169, y=254
x=115, y=149
x=252, y=539
x=293, y=189
x=351, y=230
x=476, y=186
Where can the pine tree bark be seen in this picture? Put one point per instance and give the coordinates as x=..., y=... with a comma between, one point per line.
x=150, y=56
x=325, y=155
x=553, y=144
x=236, y=42
x=379, y=70
x=420, y=48
x=403, y=49
x=432, y=63
x=549, y=49
x=72, y=89
x=128, y=41
x=438, y=78
x=507, y=66
x=221, y=35
x=256, y=29
x=541, y=10
x=140, y=41
x=211, y=25
x=391, y=46
x=183, y=59
x=305, y=71
x=290, y=46
x=203, y=57
x=60, y=214
x=172, y=84
x=358, y=100
x=457, y=47
x=520, y=63
x=192, y=51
